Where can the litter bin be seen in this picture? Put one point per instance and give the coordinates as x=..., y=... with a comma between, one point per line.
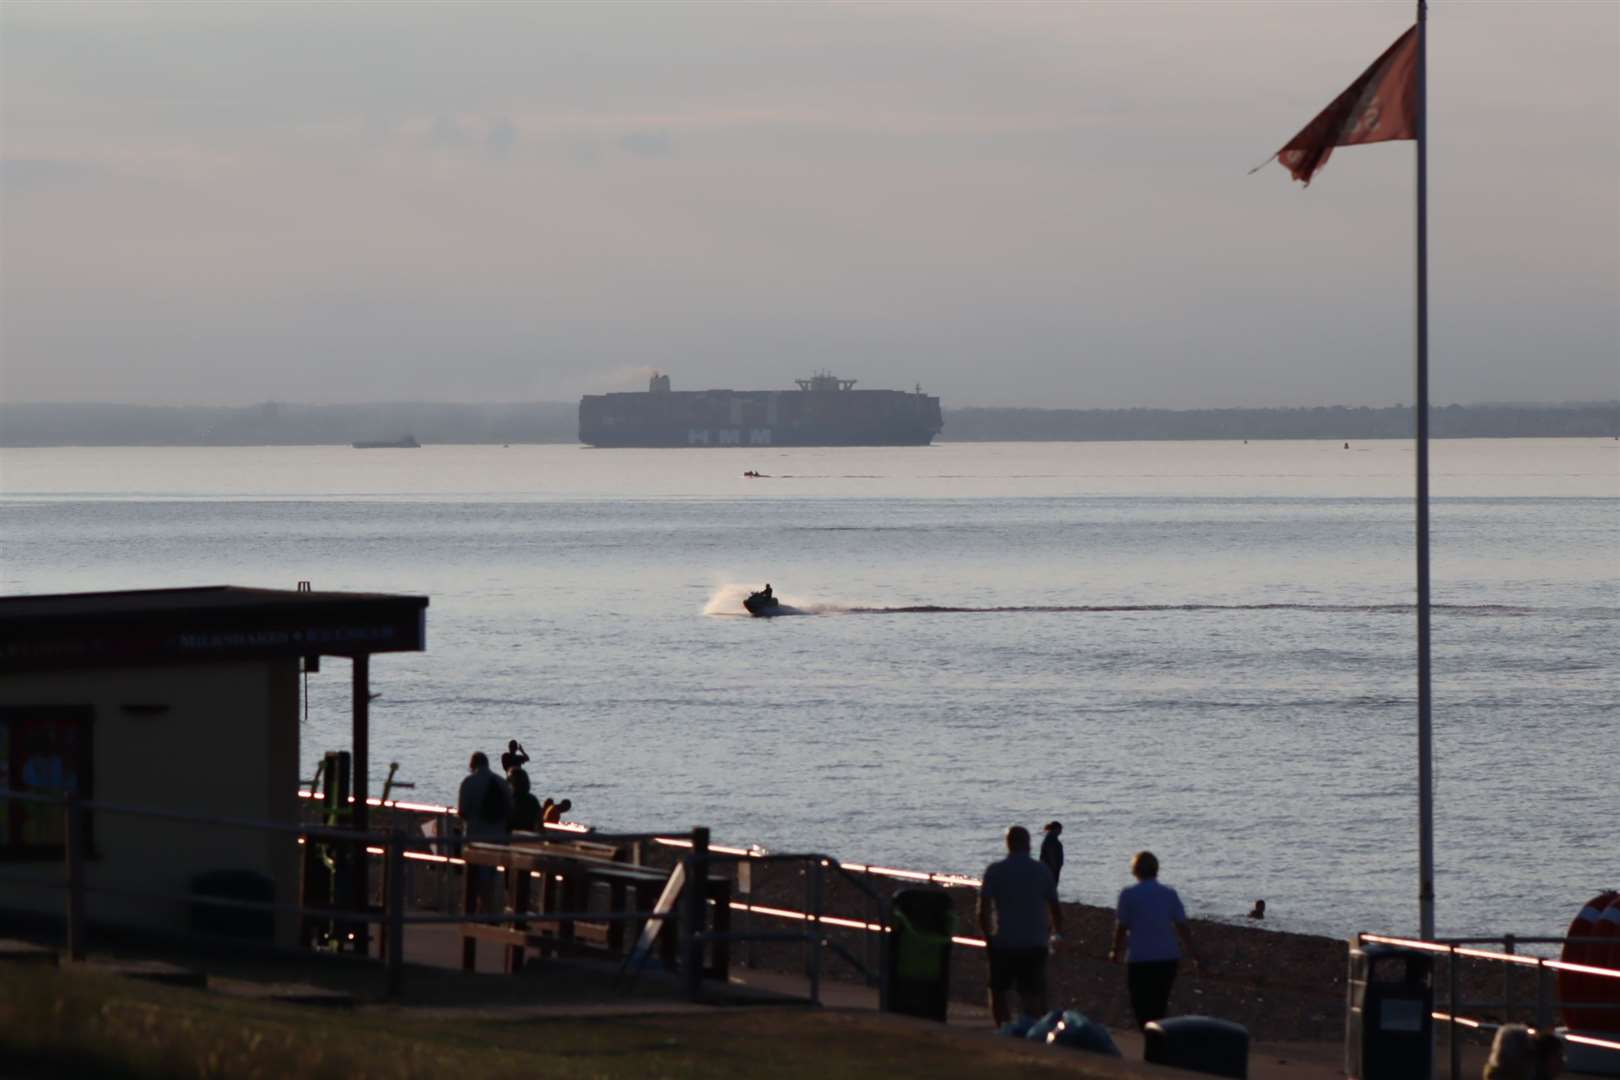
x=1200, y=1044
x=917, y=955
x=255, y=925
x=1389, y=1026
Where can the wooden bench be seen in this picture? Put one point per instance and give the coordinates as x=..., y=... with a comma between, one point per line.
x=578, y=843
x=534, y=934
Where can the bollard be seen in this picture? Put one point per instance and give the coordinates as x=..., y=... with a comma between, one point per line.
x=885, y=918
x=694, y=912
x=1452, y=1009
x=445, y=849
x=73, y=848
x=1508, y=1003
x=394, y=912
x=745, y=893
x=1544, y=997
x=816, y=930
x=872, y=941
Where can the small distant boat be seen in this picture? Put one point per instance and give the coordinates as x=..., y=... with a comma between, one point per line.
x=407, y=443
x=762, y=604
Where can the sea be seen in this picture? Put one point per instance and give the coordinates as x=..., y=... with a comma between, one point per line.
x=1203, y=649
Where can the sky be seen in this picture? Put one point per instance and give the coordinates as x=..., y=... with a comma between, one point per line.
x=1009, y=204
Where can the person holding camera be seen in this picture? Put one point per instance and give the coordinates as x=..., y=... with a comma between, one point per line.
x=514, y=758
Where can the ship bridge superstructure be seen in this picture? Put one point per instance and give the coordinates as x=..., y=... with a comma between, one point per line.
x=825, y=382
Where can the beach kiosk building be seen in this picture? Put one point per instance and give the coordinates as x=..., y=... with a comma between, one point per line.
x=180, y=700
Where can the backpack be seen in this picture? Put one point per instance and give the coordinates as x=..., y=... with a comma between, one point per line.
x=493, y=806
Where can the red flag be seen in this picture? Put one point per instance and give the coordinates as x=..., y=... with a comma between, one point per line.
x=1381, y=106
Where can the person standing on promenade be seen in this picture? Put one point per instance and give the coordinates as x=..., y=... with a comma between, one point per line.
x=1052, y=849
x=514, y=758
x=1023, y=894
x=1151, y=918
x=484, y=802
x=485, y=806
x=552, y=812
x=525, y=807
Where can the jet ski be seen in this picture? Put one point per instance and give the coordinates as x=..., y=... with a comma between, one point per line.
x=763, y=604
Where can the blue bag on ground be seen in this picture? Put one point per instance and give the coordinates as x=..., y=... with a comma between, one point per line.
x=1018, y=1027
x=1077, y=1031
x=1040, y=1029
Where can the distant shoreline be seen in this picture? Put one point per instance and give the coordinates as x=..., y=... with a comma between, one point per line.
x=552, y=423
x=5, y=445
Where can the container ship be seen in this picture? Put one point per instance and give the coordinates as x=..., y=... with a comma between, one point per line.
x=824, y=411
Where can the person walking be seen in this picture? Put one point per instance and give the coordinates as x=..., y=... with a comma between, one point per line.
x=1052, y=849
x=1151, y=919
x=1022, y=894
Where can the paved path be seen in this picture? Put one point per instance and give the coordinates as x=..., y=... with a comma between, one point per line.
x=1267, y=1061
x=440, y=946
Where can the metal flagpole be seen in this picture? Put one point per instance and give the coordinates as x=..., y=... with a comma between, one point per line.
x=1425, y=749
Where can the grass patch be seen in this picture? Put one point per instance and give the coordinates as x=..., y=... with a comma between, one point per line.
x=82, y=1024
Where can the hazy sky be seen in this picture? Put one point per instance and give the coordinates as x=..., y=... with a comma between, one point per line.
x=1010, y=204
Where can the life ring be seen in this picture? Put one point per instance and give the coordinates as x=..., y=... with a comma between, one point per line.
x=1574, y=986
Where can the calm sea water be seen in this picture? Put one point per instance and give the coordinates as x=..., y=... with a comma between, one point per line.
x=1201, y=648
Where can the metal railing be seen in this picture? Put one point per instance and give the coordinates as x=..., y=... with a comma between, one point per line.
x=814, y=917
x=876, y=923
x=393, y=846
x=1546, y=996
x=448, y=813
x=395, y=849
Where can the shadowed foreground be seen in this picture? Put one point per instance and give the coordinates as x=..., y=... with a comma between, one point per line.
x=58, y=1023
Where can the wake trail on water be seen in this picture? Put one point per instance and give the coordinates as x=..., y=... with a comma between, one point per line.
x=728, y=599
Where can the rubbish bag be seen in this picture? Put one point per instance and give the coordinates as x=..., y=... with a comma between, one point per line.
x=1077, y=1031
x=1040, y=1029
x=1018, y=1027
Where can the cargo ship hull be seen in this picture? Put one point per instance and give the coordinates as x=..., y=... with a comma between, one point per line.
x=814, y=415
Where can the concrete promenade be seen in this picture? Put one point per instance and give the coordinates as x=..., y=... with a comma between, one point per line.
x=439, y=946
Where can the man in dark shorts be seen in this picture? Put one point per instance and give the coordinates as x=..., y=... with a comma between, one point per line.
x=1023, y=895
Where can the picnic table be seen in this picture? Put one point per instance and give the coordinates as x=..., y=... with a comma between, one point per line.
x=540, y=877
